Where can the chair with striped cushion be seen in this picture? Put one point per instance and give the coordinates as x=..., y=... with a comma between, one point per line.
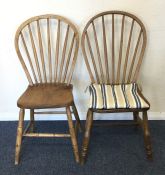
x=116, y=96
x=113, y=45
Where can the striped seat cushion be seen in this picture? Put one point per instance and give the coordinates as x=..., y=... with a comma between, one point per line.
x=104, y=96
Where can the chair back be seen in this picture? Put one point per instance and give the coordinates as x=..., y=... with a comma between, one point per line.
x=113, y=45
x=47, y=47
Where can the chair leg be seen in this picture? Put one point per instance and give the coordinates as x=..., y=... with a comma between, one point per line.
x=147, y=139
x=19, y=135
x=135, y=119
x=32, y=120
x=78, y=122
x=135, y=116
x=73, y=135
x=88, y=126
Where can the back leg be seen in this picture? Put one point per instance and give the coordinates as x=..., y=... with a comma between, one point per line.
x=31, y=120
x=135, y=116
x=135, y=119
x=78, y=122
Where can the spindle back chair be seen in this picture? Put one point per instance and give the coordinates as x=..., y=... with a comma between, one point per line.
x=116, y=40
x=47, y=48
x=113, y=45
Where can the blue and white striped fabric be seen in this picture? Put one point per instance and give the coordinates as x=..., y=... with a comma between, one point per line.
x=104, y=96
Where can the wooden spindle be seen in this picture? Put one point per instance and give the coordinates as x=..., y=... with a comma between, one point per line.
x=120, y=51
x=105, y=51
x=22, y=60
x=134, y=57
x=68, y=58
x=57, y=52
x=98, y=52
x=35, y=53
x=140, y=57
x=127, y=52
x=113, y=50
x=92, y=57
x=74, y=59
x=49, y=50
x=63, y=53
x=28, y=56
x=41, y=51
x=86, y=58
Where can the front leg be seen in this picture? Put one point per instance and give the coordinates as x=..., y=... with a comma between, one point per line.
x=88, y=127
x=19, y=136
x=73, y=135
x=147, y=138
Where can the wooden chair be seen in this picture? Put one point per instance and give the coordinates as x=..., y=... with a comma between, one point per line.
x=47, y=48
x=113, y=45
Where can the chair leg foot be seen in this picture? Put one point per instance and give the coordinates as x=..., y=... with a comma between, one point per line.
x=82, y=162
x=73, y=135
x=147, y=139
x=88, y=126
x=78, y=122
x=19, y=136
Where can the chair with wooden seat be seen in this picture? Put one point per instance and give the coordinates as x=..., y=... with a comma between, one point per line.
x=47, y=48
x=113, y=45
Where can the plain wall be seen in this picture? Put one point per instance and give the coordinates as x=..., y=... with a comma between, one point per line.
x=12, y=78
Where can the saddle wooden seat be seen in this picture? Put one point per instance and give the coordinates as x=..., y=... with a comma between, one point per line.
x=46, y=96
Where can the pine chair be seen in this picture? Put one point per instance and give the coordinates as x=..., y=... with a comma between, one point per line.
x=113, y=45
x=47, y=48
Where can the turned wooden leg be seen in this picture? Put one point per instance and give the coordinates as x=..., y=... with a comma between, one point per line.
x=31, y=120
x=73, y=135
x=78, y=122
x=88, y=126
x=147, y=139
x=135, y=119
x=135, y=116
x=19, y=135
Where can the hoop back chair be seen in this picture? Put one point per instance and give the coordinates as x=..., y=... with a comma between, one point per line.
x=113, y=45
x=47, y=48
